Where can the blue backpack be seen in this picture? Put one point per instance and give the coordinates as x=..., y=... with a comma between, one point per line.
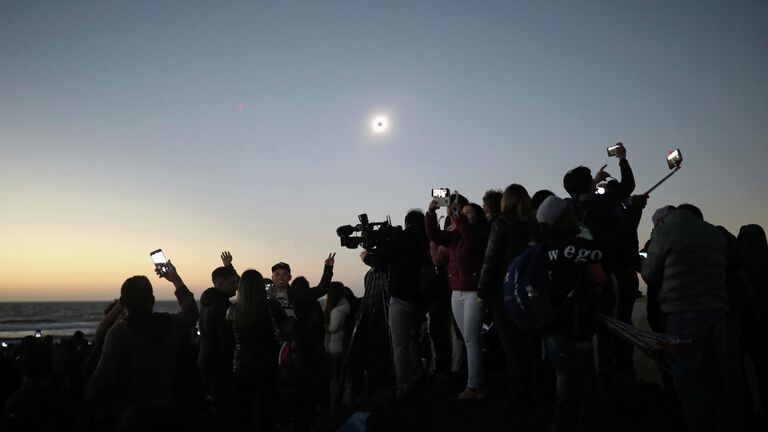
x=528, y=290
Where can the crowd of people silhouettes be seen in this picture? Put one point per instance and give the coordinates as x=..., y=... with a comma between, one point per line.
x=539, y=274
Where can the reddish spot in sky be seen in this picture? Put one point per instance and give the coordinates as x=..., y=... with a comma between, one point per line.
x=241, y=106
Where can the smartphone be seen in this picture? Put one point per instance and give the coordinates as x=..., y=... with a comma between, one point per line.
x=613, y=150
x=38, y=333
x=442, y=196
x=160, y=261
x=674, y=159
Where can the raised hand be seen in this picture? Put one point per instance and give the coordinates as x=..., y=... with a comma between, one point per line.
x=433, y=205
x=621, y=152
x=226, y=258
x=331, y=260
x=170, y=272
x=601, y=175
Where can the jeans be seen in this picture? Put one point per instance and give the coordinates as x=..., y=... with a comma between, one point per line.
x=700, y=373
x=468, y=318
x=403, y=319
x=576, y=387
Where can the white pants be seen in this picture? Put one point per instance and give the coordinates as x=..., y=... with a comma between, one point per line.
x=466, y=312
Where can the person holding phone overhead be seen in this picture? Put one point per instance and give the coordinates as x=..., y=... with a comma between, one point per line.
x=466, y=248
x=120, y=381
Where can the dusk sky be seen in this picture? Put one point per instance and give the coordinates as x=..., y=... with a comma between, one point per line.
x=201, y=126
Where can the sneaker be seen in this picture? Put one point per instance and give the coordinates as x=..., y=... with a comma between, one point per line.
x=470, y=393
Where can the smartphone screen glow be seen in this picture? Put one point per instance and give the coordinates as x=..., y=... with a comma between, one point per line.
x=159, y=258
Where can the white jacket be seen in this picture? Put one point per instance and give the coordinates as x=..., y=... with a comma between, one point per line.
x=334, y=328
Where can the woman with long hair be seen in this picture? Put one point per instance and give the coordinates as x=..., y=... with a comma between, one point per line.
x=512, y=233
x=255, y=321
x=466, y=246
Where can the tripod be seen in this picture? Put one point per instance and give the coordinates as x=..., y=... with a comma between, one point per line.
x=374, y=309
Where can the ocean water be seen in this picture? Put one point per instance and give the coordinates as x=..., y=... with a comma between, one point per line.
x=58, y=319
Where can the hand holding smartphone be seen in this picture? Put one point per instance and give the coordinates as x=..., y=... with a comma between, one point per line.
x=160, y=261
x=442, y=197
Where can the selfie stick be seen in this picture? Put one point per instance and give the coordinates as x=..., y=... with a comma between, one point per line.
x=677, y=168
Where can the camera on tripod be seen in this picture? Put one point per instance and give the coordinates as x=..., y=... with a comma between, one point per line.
x=372, y=234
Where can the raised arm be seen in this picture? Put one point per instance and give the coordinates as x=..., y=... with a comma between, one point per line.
x=627, y=182
x=226, y=259
x=434, y=233
x=325, y=281
x=187, y=316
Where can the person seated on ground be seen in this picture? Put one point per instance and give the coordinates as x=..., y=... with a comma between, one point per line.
x=572, y=266
x=256, y=321
x=217, y=342
x=138, y=360
x=40, y=404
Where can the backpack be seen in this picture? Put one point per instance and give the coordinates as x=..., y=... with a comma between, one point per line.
x=527, y=290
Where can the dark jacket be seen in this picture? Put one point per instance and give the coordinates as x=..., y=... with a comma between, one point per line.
x=687, y=257
x=597, y=213
x=753, y=243
x=741, y=295
x=256, y=346
x=627, y=218
x=405, y=255
x=138, y=362
x=576, y=275
x=217, y=341
x=466, y=249
x=509, y=236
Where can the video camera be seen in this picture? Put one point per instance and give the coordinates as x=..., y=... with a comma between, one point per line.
x=372, y=234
